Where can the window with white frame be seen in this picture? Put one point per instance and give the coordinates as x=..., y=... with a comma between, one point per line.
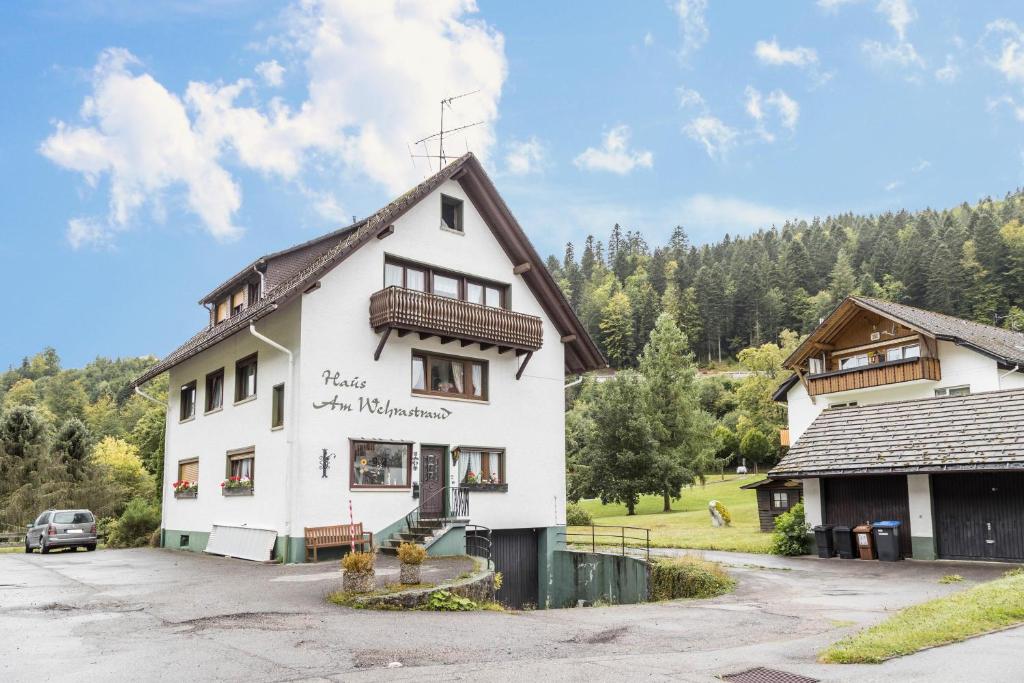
x=851, y=362
x=903, y=352
x=963, y=390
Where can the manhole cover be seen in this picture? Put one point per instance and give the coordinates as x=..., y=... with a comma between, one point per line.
x=763, y=675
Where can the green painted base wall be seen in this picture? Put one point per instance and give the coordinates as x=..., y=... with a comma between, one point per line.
x=453, y=542
x=594, y=577
x=923, y=547
x=196, y=541
x=549, y=540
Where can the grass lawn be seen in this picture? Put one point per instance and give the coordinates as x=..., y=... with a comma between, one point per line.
x=689, y=524
x=986, y=607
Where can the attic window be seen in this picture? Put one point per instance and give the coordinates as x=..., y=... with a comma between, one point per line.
x=451, y=213
x=238, y=301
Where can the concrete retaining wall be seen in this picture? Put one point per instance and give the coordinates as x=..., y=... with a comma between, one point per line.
x=594, y=577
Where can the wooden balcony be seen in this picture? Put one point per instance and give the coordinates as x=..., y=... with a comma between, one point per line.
x=407, y=310
x=879, y=374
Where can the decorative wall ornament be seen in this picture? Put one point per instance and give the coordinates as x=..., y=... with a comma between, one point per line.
x=325, y=463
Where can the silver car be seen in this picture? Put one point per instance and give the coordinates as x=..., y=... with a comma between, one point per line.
x=62, y=529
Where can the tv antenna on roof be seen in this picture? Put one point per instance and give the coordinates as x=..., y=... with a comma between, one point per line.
x=441, y=156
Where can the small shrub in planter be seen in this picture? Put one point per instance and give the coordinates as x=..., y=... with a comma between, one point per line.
x=791, y=532
x=185, y=489
x=411, y=556
x=575, y=515
x=358, y=576
x=236, y=486
x=688, y=577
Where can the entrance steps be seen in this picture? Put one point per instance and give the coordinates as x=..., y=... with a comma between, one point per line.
x=424, y=533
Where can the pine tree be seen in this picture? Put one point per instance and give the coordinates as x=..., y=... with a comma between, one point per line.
x=588, y=259
x=842, y=280
x=72, y=445
x=617, y=330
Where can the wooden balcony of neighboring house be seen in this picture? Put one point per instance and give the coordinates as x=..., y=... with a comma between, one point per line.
x=784, y=437
x=874, y=375
x=431, y=315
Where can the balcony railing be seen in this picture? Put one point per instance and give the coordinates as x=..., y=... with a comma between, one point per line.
x=408, y=309
x=879, y=374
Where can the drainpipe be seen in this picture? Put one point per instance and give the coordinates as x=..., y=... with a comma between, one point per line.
x=146, y=396
x=1012, y=370
x=289, y=426
x=263, y=277
x=573, y=383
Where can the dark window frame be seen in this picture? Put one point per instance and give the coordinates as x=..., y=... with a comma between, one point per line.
x=247, y=453
x=486, y=465
x=467, y=372
x=463, y=279
x=457, y=205
x=208, y=407
x=251, y=359
x=190, y=388
x=277, y=406
x=352, y=443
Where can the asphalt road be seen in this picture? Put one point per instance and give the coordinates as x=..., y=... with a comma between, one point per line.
x=167, y=615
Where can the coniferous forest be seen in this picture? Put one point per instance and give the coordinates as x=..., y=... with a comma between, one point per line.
x=966, y=261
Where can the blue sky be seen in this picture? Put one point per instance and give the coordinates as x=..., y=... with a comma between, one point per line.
x=149, y=150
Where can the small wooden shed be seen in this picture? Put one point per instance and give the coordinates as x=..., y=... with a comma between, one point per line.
x=775, y=496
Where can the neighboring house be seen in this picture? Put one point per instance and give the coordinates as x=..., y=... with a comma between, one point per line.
x=900, y=413
x=774, y=497
x=414, y=360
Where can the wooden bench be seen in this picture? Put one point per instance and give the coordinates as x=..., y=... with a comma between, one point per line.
x=337, y=536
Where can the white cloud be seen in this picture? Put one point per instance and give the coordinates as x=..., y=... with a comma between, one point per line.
x=770, y=52
x=787, y=110
x=1010, y=58
x=898, y=54
x=834, y=5
x=921, y=166
x=87, y=232
x=948, y=73
x=525, y=156
x=366, y=99
x=899, y=14
x=689, y=98
x=139, y=136
x=718, y=215
x=271, y=72
x=648, y=39
x=693, y=26
x=717, y=137
x=1016, y=109
x=894, y=185
x=614, y=155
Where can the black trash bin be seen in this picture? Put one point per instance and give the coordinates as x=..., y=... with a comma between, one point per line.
x=823, y=538
x=843, y=538
x=887, y=540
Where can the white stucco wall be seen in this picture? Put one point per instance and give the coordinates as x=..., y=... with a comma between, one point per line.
x=524, y=417
x=813, y=511
x=919, y=492
x=959, y=366
x=210, y=436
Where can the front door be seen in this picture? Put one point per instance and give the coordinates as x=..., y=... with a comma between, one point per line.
x=431, y=482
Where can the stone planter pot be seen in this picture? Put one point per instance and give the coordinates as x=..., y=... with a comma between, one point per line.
x=190, y=493
x=358, y=582
x=409, y=574
x=237, y=491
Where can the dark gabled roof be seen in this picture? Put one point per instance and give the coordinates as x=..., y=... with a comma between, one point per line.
x=767, y=483
x=308, y=262
x=1004, y=346
x=974, y=432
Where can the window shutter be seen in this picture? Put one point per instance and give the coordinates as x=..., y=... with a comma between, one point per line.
x=188, y=471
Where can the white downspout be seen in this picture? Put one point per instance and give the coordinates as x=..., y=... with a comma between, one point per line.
x=146, y=396
x=289, y=426
x=574, y=382
x=1009, y=372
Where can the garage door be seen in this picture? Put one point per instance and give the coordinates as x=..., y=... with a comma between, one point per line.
x=514, y=552
x=979, y=516
x=851, y=501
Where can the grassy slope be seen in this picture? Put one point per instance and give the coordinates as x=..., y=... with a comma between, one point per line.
x=950, y=619
x=689, y=524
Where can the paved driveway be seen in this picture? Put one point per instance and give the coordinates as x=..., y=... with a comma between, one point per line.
x=160, y=614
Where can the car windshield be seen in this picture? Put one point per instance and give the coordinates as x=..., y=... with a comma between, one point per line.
x=72, y=518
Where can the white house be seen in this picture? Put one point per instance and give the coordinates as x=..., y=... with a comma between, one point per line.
x=900, y=413
x=413, y=360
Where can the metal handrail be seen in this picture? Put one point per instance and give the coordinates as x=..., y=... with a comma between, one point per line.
x=481, y=542
x=606, y=539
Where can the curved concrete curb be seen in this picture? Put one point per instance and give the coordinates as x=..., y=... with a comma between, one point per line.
x=478, y=587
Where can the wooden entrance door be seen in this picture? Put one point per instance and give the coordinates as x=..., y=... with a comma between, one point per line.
x=431, y=482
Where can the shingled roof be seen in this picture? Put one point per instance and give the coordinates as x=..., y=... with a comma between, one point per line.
x=974, y=432
x=308, y=262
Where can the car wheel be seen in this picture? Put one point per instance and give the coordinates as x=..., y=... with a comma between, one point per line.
x=43, y=548
x=90, y=547
x=28, y=548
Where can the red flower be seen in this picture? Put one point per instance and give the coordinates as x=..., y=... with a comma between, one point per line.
x=222, y=484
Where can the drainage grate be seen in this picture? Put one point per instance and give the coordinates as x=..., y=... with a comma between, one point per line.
x=763, y=675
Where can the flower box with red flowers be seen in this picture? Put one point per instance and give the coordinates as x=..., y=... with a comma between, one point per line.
x=185, y=489
x=236, y=486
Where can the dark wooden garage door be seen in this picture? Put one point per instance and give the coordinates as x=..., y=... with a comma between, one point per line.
x=979, y=516
x=515, y=555
x=854, y=500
